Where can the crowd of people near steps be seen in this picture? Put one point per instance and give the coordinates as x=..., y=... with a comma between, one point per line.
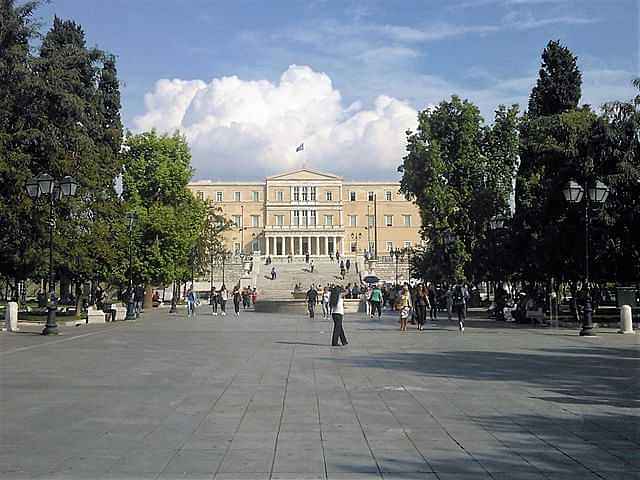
x=414, y=303
x=218, y=298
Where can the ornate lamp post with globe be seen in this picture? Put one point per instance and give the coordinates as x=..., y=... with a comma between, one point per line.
x=597, y=193
x=40, y=186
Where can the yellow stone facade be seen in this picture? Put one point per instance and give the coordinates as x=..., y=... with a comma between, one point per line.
x=306, y=211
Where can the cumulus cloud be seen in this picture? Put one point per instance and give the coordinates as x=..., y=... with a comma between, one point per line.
x=248, y=129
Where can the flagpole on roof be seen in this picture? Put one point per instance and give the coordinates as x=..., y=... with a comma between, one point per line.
x=300, y=148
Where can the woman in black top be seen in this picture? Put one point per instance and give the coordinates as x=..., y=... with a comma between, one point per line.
x=237, y=298
x=422, y=303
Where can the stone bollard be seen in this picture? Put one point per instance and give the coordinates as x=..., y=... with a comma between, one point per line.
x=626, y=319
x=11, y=317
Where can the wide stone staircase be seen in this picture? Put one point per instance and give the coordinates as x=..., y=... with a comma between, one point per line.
x=298, y=272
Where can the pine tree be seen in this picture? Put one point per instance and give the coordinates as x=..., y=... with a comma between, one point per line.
x=558, y=88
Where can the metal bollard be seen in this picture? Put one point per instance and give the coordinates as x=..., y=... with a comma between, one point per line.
x=626, y=320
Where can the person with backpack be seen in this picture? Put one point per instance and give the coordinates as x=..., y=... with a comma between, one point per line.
x=460, y=296
x=337, y=314
x=312, y=299
x=376, y=301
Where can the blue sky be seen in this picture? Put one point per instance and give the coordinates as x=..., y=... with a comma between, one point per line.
x=416, y=53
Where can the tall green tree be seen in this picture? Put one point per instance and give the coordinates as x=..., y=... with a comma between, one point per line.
x=459, y=173
x=616, y=139
x=61, y=116
x=559, y=142
x=174, y=230
x=79, y=105
x=19, y=234
x=558, y=88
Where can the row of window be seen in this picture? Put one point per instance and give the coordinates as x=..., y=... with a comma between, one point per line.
x=389, y=246
x=300, y=194
x=352, y=220
x=255, y=196
x=308, y=218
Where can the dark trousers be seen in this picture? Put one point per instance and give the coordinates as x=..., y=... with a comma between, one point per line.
x=421, y=311
x=376, y=307
x=433, y=312
x=461, y=311
x=338, y=331
x=223, y=305
x=236, y=306
x=312, y=309
x=214, y=305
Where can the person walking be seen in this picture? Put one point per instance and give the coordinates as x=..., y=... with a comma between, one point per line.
x=237, y=298
x=337, y=313
x=214, y=300
x=422, y=303
x=312, y=299
x=433, y=302
x=405, y=308
x=326, y=294
x=376, y=301
x=273, y=273
x=311, y=266
x=347, y=265
x=460, y=304
x=448, y=297
x=306, y=257
x=224, y=296
x=192, y=300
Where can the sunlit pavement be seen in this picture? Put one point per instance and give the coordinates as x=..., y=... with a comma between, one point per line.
x=266, y=396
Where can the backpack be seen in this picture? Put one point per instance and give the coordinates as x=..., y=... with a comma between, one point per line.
x=334, y=297
x=458, y=297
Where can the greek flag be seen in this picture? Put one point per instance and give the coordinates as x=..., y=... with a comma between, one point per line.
x=300, y=147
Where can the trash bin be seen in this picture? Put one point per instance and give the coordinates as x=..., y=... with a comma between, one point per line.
x=627, y=296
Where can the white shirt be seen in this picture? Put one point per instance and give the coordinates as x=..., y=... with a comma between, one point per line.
x=339, y=308
x=325, y=297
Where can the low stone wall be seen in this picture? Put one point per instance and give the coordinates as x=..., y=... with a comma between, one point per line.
x=300, y=306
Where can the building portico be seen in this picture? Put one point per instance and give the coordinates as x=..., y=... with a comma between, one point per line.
x=301, y=243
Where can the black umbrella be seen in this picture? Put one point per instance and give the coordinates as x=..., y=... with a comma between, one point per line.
x=371, y=279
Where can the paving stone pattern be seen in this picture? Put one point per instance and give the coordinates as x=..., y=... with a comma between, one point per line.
x=265, y=397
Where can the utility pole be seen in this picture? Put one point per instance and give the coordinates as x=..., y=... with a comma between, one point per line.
x=241, y=228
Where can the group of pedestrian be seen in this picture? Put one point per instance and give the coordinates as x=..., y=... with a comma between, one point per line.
x=239, y=296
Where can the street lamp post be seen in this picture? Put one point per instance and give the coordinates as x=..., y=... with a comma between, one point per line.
x=597, y=193
x=397, y=253
x=242, y=229
x=45, y=184
x=131, y=218
x=174, y=293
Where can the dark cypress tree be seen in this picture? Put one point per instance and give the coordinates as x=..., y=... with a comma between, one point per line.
x=19, y=232
x=558, y=88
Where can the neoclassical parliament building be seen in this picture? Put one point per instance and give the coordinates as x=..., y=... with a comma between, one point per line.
x=307, y=211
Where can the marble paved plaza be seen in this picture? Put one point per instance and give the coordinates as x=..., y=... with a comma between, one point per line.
x=265, y=396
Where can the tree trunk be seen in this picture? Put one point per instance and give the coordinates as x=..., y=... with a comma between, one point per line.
x=148, y=297
x=79, y=298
